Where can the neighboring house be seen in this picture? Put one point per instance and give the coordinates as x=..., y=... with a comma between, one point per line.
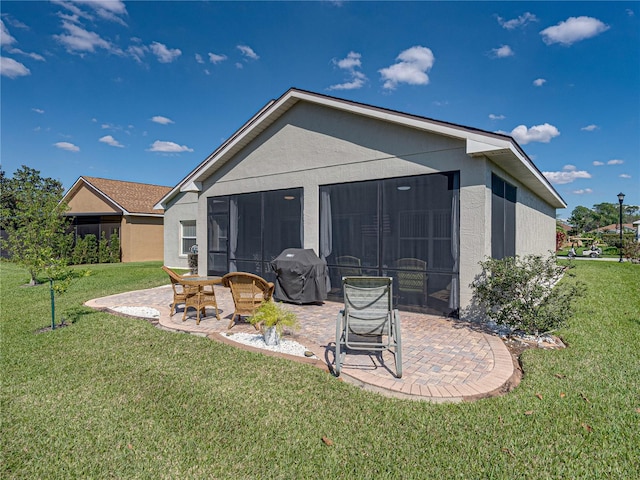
x=615, y=228
x=372, y=191
x=123, y=208
x=637, y=227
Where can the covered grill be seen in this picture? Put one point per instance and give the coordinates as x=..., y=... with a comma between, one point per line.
x=301, y=276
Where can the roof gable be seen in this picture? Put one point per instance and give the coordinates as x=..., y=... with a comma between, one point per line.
x=499, y=148
x=131, y=198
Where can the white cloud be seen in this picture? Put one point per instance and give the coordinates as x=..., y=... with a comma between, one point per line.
x=597, y=163
x=168, y=147
x=538, y=82
x=6, y=42
x=77, y=39
x=351, y=63
x=412, y=68
x=164, y=54
x=538, y=133
x=215, y=58
x=521, y=21
x=573, y=30
x=568, y=174
x=624, y=175
x=12, y=69
x=199, y=58
x=590, y=128
x=5, y=37
x=38, y=110
x=161, y=120
x=33, y=56
x=67, y=146
x=582, y=191
x=496, y=117
x=137, y=52
x=615, y=162
x=247, y=52
x=111, y=10
x=502, y=52
x=109, y=140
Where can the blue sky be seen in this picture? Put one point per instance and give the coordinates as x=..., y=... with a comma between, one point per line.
x=143, y=91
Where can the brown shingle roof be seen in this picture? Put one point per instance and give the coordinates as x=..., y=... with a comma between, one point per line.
x=131, y=196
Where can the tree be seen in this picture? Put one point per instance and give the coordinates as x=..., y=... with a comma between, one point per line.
x=606, y=214
x=33, y=216
x=581, y=218
x=630, y=213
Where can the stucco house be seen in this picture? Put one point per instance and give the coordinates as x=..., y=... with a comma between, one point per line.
x=371, y=191
x=124, y=208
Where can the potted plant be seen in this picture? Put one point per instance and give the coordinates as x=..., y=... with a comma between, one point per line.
x=272, y=318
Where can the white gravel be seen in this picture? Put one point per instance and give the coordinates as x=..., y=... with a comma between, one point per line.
x=145, y=312
x=289, y=347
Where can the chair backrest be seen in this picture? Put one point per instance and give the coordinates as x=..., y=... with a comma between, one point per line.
x=248, y=290
x=411, y=281
x=174, y=277
x=349, y=266
x=368, y=304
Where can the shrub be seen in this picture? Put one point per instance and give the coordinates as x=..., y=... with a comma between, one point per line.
x=523, y=293
x=103, y=248
x=114, y=248
x=631, y=251
x=561, y=237
x=79, y=255
x=91, y=248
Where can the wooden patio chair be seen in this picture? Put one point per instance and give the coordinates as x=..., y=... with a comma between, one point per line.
x=368, y=321
x=248, y=292
x=180, y=291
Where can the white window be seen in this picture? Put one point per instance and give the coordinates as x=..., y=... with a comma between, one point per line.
x=187, y=236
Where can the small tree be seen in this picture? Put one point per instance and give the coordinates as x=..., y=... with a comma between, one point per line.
x=91, y=245
x=114, y=248
x=33, y=216
x=79, y=255
x=103, y=248
x=523, y=293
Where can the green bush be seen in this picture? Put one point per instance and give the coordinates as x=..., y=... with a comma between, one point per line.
x=79, y=255
x=523, y=293
x=614, y=238
x=103, y=249
x=631, y=250
x=114, y=248
x=91, y=248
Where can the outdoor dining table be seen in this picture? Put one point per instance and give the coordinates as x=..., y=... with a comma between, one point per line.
x=201, y=295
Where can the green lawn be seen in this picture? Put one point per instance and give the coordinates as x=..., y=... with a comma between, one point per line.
x=112, y=397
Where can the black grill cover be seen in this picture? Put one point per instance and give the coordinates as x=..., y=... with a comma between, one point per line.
x=301, y=276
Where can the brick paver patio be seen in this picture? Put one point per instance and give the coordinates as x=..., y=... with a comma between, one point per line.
x=443, y=359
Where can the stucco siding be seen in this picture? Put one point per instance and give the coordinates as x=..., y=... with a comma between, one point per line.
x=86, y=201
x=535, y=225
x=141, y=239
x=475, y=223
x=183, y=206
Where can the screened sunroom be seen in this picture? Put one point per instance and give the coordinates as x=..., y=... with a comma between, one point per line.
x=371, y=191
